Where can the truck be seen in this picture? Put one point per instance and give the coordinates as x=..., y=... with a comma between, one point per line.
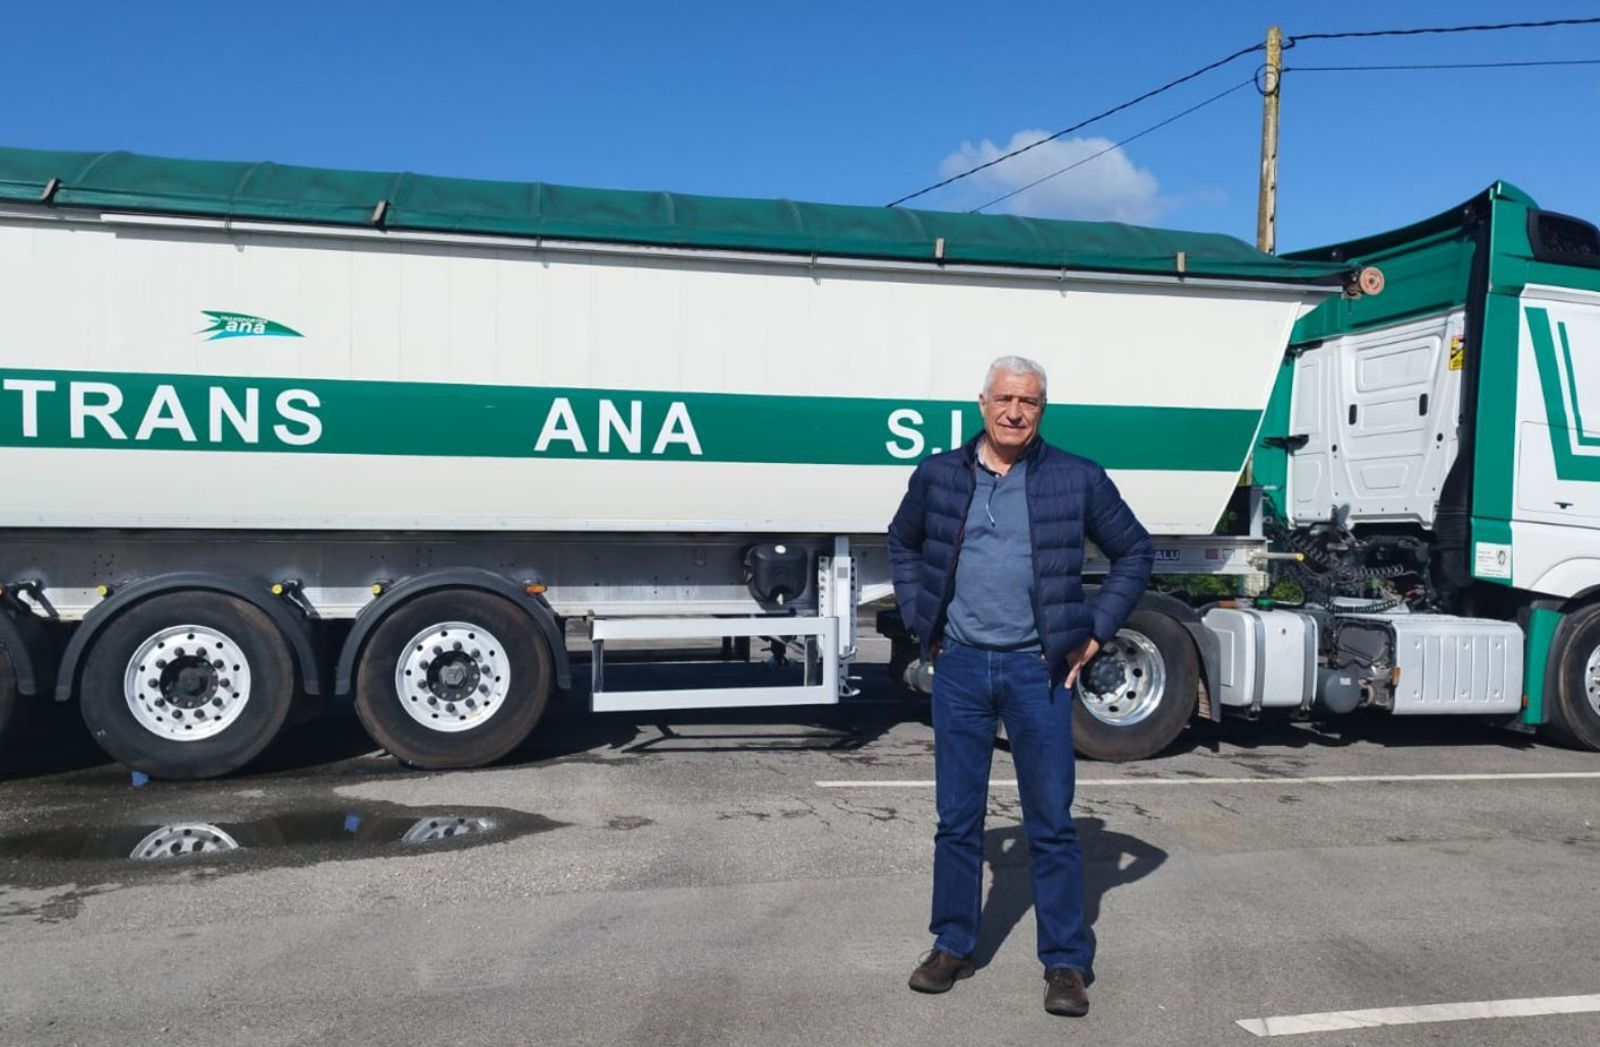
x=1425, y=466
x=274, y=436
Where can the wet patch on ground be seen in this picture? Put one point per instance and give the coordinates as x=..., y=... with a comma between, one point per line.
x=57, y=907
x=212, y=842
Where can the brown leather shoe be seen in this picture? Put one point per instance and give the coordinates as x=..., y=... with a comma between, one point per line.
x=939, y=970
x=1065, y=993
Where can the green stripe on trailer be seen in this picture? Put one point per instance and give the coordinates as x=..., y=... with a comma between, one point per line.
x=116, y=410
x=1542, y=625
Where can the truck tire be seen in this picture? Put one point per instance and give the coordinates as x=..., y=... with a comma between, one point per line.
x=187, y=685
x=1574, y=713
x=1140, y=691
x=453, y=678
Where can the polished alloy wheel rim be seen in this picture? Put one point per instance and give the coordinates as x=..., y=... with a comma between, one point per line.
x=453, y=677
x=187, y=683
x=1129, y=688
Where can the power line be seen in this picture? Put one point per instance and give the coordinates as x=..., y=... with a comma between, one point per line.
x=1289, y=42
x=1486, y=28
x=1438, y=65
x=1169, y=85
x=1117, y=145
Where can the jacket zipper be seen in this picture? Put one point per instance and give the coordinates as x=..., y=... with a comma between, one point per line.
x=955, y=557
x=1033, y=559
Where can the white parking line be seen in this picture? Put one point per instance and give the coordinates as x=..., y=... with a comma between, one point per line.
x=1332, y=1021
x=1311, y=779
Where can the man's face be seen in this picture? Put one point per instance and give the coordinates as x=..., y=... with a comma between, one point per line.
x=1012, y=407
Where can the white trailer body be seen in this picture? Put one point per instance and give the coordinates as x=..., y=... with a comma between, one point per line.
x=507, y=386
x=241, y=391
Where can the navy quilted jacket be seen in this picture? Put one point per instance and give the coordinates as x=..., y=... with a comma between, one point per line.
x=1069, y=499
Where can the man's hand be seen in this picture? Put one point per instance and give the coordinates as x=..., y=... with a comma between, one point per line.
x=1080, y=657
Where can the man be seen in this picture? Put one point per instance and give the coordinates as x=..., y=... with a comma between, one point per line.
x=987, y=549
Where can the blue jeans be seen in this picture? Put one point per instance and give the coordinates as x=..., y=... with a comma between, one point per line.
x=971, y=687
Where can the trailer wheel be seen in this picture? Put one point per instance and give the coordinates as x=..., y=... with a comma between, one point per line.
x=187, y=685
x=1575, y=705
x=453, y=678
x=1137, y=694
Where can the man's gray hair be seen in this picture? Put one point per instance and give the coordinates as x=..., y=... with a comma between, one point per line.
x=1017, y=365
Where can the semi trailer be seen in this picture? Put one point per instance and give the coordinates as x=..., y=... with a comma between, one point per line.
x=272, y=436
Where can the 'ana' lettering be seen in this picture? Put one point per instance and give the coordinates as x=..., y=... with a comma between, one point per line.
x=611, y=430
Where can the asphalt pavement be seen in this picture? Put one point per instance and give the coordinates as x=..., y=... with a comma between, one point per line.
x=764, y=879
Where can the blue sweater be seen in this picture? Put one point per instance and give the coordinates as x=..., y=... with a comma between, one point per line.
x=992, y=605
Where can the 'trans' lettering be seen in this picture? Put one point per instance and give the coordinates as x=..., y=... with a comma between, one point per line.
x=105, y=411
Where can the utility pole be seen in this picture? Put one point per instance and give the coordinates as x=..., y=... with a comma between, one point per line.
x=1267, y=201
x=1267, y=204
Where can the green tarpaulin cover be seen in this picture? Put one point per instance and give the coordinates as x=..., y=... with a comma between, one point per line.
x=276, y=192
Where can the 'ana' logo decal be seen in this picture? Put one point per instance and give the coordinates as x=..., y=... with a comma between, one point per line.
x=241, y=325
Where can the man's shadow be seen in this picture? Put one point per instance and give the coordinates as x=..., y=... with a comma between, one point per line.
x=1110, y=859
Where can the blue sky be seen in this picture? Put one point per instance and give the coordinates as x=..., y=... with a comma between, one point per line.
x=829, y=101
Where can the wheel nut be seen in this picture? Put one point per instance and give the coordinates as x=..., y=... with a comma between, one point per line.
x=423, y=666
x=483, y=689
x=471, y=704
x=438, y=650
x=161, y=663
x=475, y=653
x=154, y=683
x=217, y=702
x=177, y=652
x=217, y=664
x=451, y=708
x=223, y=683
x=457, y=645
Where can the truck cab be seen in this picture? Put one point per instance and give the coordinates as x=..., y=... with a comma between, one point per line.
x=1425, y=450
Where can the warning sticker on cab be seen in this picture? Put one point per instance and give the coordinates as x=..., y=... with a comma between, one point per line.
x=1458, y=353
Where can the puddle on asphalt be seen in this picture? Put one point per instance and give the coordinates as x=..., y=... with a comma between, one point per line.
x=358, y=830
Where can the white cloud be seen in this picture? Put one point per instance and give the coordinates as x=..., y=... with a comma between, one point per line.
x=1108, y=188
